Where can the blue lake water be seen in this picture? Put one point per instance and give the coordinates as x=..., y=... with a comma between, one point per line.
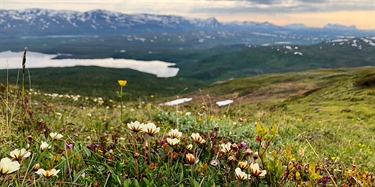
x=13, y=60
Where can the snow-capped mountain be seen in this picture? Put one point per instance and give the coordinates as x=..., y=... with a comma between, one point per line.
x=40, y=22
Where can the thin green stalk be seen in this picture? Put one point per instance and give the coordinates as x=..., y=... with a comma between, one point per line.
x=67, y=162
x=7, y=99
x=23, y=76
x=106, y=181
x=27, y=170
x=28, y=72
x=121, y=102
x=330, y=176
x=192, y=173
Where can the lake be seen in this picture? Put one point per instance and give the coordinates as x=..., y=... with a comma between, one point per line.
x=13, y=60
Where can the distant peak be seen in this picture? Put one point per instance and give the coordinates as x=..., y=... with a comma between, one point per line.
x=339, y=26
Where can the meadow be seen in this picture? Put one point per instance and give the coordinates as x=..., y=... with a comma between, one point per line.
x=312, y=128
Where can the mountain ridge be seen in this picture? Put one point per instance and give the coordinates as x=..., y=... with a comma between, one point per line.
x=36, y=21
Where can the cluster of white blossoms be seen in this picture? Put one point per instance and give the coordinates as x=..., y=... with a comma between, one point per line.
x=226, y=148
x=254, y=169
x=149, y=128
x=174, y=139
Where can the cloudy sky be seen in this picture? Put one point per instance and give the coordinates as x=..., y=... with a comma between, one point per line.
x=309, y=12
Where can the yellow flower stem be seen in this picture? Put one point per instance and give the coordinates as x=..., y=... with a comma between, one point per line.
x=121, y=103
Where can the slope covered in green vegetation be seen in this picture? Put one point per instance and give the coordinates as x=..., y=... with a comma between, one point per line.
x=283, y=58
x=310, y=128
x=333, y=109
x=95, y=81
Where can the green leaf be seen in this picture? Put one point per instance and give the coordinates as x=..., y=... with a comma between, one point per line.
x=87, y=151
x=78, y=175
x=196, y=183
x=182, y=175
x=127, y=183
x=146, y=181
x=135, y=183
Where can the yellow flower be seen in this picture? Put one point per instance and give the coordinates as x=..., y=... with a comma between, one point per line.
x=7, y=166
x=122, y=82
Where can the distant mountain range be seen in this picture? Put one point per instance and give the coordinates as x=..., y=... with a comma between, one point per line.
x=43, y=22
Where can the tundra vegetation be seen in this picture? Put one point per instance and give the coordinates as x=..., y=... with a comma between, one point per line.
x=312, y=128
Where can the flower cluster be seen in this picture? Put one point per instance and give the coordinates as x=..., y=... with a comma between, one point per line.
x=254, y=169
x=149, y=128
x=174, y=135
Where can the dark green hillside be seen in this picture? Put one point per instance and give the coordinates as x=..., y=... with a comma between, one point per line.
x=276, y=59
x=198, y=66
x=98, y=81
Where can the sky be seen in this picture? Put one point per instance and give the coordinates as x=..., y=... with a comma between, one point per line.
x=316, y=13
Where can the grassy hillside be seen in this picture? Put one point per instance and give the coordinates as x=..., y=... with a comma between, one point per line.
x=310, y=128
x=284, y=58
x=332, y=109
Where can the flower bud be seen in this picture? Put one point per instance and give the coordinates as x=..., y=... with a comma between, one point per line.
x=234, y=147
x=189, y=147
x=30, y=138
x=36, y=167
x=255, y=155
x=190, y=158
x=232, y=159
x=243, y=165
x=248, y=152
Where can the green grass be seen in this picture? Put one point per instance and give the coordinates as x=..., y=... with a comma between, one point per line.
x=310, y=128
x=93, y=81
x=324, y=107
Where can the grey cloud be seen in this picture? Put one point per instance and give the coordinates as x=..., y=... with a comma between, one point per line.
x=295, y=6
x=313, y=1
x=265, y=2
